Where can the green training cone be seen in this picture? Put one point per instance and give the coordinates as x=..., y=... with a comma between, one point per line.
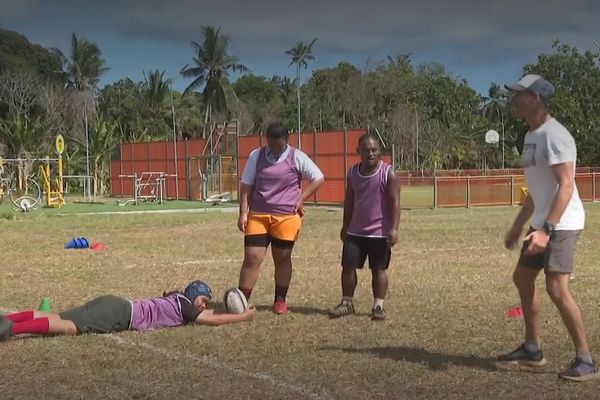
x=45, y=305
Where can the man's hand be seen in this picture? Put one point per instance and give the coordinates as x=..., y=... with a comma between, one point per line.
x=392, y=237
x=343, y=233
x=512, y=237
x=538, y=241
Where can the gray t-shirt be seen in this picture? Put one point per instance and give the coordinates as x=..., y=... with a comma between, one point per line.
x=548, y=145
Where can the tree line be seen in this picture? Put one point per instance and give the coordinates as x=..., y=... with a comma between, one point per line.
x=433, y=118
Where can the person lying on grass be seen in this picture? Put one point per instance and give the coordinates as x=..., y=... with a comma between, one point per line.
x=109, y=314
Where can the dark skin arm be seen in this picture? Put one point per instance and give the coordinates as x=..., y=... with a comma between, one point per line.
x=393, y=193
x=348, y=209
x=245, y=192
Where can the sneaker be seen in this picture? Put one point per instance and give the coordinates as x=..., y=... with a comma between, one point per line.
x=280, y=307
x=522, y=357
x=377, y=313
x=6, y=326
x=341, y=310
x=580, y=371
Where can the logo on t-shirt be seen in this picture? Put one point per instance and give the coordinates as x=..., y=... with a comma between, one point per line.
x=528, y=156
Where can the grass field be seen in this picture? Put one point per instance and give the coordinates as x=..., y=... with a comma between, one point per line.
x=450, y=286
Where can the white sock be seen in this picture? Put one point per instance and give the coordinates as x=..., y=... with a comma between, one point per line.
x=346, y=300
x=378, y=302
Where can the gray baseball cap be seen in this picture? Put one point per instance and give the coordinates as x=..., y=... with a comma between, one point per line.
x=533, y=83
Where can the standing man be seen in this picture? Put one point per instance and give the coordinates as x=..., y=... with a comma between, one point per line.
x=271, y=207
x=370, y=227
x=549, y=157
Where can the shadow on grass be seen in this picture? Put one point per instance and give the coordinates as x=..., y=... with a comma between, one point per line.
x=296, y=309
x=433, y=361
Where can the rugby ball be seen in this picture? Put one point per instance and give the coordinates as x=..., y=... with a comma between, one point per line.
x=234, y=301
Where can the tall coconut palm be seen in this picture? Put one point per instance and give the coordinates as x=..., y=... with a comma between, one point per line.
x=83, y=70
x=85, y=65
x=300, y=53
x=211, y=68
x=156, y=91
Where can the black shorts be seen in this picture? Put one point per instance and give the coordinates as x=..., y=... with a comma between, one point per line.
x=105, y=314
x=358, y=248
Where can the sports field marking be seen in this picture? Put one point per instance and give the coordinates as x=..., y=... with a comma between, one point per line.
x=214, y=363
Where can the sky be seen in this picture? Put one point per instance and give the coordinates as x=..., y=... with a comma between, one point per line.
x=481, y=41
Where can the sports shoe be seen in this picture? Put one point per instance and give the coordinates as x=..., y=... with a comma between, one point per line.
x=341, y=310
x=523, y=357
x=377, y=313
x=580, y=371
x=6, y=326
x=280, y=307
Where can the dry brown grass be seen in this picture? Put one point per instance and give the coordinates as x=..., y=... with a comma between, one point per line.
x=450, y=285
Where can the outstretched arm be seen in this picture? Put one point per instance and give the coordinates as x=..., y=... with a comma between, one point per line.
x=216, y=318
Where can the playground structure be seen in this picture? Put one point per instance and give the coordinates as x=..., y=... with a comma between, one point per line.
x=24, y=191
x=53, y=189
x=147, y=187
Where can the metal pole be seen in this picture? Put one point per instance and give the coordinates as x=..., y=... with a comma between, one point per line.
x=298, y=94
x=417, y=122
x=594, y=187
x=468, y=191
x=345, y=157
x=175, y=146
x=502, y=141
x=435, y=191
x=512, y=190
x=86, y=185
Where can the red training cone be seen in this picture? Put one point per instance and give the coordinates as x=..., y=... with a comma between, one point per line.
x=515, y=312
x=97, y=246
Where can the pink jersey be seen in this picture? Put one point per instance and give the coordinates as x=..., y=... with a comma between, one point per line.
x=372, y=213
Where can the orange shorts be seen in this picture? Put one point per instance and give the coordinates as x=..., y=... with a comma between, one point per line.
x=282, y=227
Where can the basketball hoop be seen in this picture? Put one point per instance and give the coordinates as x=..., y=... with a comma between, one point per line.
x=492, y=137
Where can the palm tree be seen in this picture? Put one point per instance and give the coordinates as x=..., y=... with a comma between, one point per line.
x=156, y=92
x=83, y=71
x=211, y=67
x=85, y=66
x=300, y=54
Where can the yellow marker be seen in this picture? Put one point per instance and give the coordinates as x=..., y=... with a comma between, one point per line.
x=60, y=144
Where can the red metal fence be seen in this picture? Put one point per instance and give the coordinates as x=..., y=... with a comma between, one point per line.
x=333, y=151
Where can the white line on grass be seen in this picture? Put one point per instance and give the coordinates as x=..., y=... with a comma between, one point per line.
x=212, y=362
x=429, y=250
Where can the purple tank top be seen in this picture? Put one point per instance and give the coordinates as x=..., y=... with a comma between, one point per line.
x=159, y=312
x=277, y=187
x=372, y=214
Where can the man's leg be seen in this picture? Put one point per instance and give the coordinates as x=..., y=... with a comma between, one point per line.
x=353, y=257
x=529, y=353
x=379, y=261
x=524, y=279
x=557, y=285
